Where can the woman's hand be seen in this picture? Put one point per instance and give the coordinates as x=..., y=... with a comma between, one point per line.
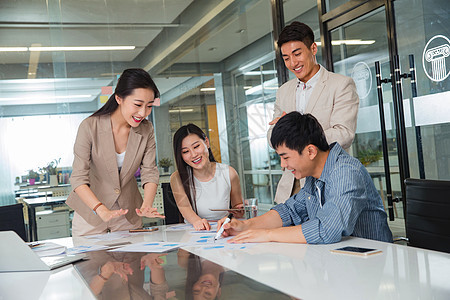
x=201, y=224
x=149, y=212
x=106, y=215
x=116, y=267
x=152, y=260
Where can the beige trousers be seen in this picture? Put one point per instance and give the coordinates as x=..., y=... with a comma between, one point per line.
x=80, y=227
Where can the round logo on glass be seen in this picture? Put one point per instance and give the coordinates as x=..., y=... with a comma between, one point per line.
x=435, y=58
x=363, y=79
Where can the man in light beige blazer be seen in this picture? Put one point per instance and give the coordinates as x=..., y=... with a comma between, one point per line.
x=329, y=97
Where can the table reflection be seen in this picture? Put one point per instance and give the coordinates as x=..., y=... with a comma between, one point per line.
x=174, y=275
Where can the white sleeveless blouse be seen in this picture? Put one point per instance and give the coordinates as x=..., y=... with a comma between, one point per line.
x=214, y=194
x=120, y=158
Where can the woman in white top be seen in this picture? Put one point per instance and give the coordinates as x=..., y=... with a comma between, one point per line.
x=200, y=183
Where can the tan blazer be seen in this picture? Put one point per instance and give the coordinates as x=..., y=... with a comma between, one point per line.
x=95, y=164
x=334, y=102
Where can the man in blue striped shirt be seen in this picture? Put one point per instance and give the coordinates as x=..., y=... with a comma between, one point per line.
x=338, y=199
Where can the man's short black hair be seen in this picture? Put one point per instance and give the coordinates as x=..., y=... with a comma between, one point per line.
x=296, y=31
x=296, y=131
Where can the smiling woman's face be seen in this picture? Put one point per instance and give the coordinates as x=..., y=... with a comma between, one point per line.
x=207, y=287
x=194, y=151
x=136, y=106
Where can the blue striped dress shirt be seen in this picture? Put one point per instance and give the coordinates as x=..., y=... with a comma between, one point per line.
x=342, y=202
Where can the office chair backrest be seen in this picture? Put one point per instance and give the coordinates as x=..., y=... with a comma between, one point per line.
x=11, y=218
x=428, y=214
x=173, y=215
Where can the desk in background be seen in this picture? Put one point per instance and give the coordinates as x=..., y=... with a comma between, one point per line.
x=51, y=222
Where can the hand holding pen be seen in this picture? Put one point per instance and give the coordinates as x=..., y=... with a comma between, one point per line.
x=221, y=229
x=231, y=227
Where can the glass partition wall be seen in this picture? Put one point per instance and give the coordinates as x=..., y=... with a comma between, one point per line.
x=255, y=96
x=397, y=52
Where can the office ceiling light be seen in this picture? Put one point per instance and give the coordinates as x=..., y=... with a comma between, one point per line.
x=45, y=25
x=267, y=85
x=181, y=110
x=82, y=48
x=207, y=89
x=75, y=48
x=47, y=97
x=13, y=49
x=258, y=73
x=349, y=42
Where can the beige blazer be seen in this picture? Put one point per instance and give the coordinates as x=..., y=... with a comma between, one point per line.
x=95, y=164
x=334, y=102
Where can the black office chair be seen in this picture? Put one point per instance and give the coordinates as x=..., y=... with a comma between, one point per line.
x=11, y=218
x=428, y=214
x=173, y=215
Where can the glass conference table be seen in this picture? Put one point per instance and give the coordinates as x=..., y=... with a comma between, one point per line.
x=177, y=274
x=262, y=271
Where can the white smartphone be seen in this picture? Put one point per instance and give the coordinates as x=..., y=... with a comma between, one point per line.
x=356, y=251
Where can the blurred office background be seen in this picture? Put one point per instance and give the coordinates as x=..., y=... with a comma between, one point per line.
x=216, y=65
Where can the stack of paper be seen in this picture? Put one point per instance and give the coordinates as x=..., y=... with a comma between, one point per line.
x=47, y=249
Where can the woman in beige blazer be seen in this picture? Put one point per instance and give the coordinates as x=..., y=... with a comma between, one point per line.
x=110, y=146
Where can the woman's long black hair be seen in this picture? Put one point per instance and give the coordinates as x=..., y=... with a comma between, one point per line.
x=130, y=80
x=185, y=171
x=194, y=272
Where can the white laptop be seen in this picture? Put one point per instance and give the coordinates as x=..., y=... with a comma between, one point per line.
x=16, y=256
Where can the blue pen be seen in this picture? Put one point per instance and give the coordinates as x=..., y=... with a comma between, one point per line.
x=220, y=231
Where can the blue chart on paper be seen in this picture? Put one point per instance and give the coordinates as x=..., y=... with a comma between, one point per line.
x=214, y=247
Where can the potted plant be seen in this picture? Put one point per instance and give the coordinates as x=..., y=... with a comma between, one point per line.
x=165, y=163
x=32, y=176
x=50, y=169
x=369, y=156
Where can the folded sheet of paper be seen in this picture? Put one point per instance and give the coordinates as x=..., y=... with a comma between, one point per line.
x=180, y=227
x=189, y=227
x=48, y=249
x=109, y=236
x=148, y=247
x=82, y=249
x=202, y=232
x=207, y=242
